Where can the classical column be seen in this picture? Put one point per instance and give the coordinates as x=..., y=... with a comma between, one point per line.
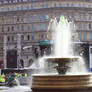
x=18, y=49
x=5, y=50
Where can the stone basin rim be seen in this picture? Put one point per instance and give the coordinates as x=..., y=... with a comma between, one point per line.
x=88, y=74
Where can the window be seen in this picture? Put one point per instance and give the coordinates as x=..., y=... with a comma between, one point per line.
x=83, y=16
x=28, y=37
x=12, y=38
x=17, y=8
x=80, y=36
x=2, y=29
x=47, y=16
x=24, y=0
x=8, y=38
x=32, y=18
x=22, y=37
x=79, y=25
x=83, y=5
x=32, y=36
x=28, y=27
x=9, y=1
x=38, y=6
x=17, y=27
x=28, y=7
x=91, y=50
x=38, y=17
x=32, y=27
x=5, y=2
x=55, y=5
x=60, y=5
x=22, y=28
x=67, y=5
x=22, y=8
x=32, y=7
x=78, y=5
x=42, y=26
x=89, y=6
x=42, y=17
x=28, y=18
x=46, y=26
x=47, y=6
x=42, y=37
x=84, y=26
x=83, y=35
x=2, y=9
x=18, y=19
x=42, y=5
x=55, y=15
x=68, y=16
x=89, y=17
x=8, y=9
x=79, y=16
x=39, y=27
x=72, y=15
x=8, y=29
x=72, y=5
x=12, y=28
x=89, y=26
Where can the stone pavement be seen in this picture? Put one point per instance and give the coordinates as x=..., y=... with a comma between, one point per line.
x=16, y=89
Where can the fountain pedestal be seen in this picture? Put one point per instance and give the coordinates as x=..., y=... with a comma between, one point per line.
x=62, y=82
x=62, y=63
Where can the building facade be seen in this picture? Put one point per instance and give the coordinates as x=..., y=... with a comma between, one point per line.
x=24, y=23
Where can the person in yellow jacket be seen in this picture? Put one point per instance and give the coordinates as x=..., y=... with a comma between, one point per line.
x=2, y=78
x=25, y=75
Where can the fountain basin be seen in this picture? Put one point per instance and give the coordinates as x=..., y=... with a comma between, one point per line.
x=62, y=83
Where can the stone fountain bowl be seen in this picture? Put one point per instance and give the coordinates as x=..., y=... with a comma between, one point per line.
x=62, y=59
x=61, y=63
x=62, y=83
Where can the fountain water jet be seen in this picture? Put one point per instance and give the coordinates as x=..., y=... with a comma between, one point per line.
x=68, y=78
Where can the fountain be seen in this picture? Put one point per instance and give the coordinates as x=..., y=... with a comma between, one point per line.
x=71, y=73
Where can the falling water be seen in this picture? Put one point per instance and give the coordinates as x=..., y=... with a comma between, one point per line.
x=62, y=38
x=17, y=82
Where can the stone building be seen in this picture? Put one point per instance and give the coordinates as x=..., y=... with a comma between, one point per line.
x=24, y=23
